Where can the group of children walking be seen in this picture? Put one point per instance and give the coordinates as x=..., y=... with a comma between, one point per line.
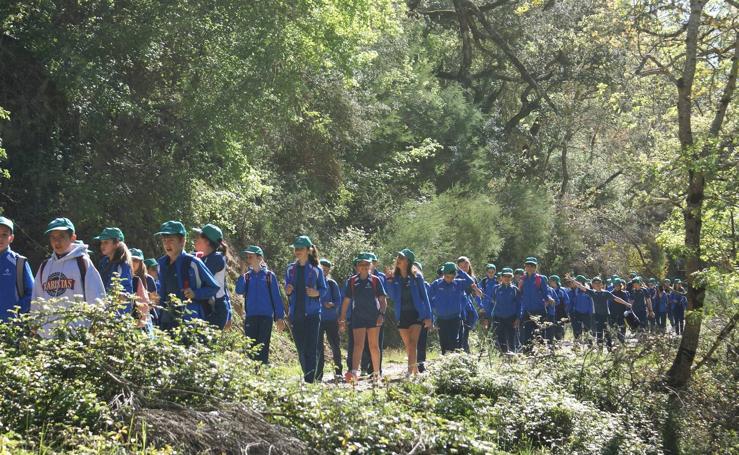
x=512, y=307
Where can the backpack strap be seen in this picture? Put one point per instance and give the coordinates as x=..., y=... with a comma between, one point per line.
x=269, y=292
x=20, y=268
x=41, y=269
x=82, y=265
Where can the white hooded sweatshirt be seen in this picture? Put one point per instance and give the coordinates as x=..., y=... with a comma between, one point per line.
x=60, y=278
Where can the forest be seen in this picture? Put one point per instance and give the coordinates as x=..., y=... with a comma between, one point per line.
x=598, y=136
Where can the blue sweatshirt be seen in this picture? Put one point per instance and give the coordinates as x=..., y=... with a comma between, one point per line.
x=9, y=298
x=313, y=279
x=506, y=302
x=332, y=294
x=197, y=277
x=419, y=295
x=261, y=293
x=447, y=298
x=533, y=297
x=488, y=297
x=107, y=270
x=581, y=303
x=678, y=303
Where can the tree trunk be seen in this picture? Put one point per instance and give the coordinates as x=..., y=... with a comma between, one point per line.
x=679, y=373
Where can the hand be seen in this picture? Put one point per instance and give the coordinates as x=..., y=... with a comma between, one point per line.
x=312, y=293
x=428, y=324
x=342, y=325
x=289, y=289
x=516, y=323
x=485, y=323
x=154, y=297
x=188, y=293
x=281, y=324
x=651, y=315
x=380, y=320
x=477, y=291
x=329, y=305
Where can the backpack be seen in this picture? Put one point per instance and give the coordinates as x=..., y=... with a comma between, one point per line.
x=247, y=278
x=81, y=264
x=537, y=283
x=20, y=263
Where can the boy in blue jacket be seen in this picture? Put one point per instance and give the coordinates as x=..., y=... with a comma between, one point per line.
x=580, y=308
x=16, y=278
x=183, y=275
x=331, y=300
x=263, y=304
x=678, y=306
x=447, y=299
x=534, y=294
x=504, y=309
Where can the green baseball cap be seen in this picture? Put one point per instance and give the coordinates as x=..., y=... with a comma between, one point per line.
x=498, y=275
x=633, y=274
x=518, y=272
x=253, y=249
x=531, y=260
x=408, y=254
x=617, y=282
x=418, y=265
x=372, y=256
x=653, y=280
x=490, y=267
x=302, y=241
x=60, y=224
x=636, y=280
x=210, y=232
x=111, y=233
x=364, y=257
x=596, y=279
x=137, y=254
x=151, y=262
x=449, y=268
x=326, y=262
x=7, y=223
x=581, y=279
x=555, y=278
x=172, y=228
x=677, y=281
x=507, y=271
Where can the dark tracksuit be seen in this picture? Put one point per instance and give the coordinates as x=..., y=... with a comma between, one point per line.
x=262, y=306
x=678, y=305
x=446, y=301
x=661, y=310
x=504, y=311
x=601, y=314
x=581, y=312
x=617, y=315
x=638, y=300
x=330, y=328
x=305, y=314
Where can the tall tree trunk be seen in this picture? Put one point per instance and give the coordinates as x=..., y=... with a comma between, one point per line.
x=679, y=373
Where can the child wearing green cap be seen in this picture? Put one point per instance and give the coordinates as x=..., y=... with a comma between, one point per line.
x=214, y=251
x=407, y=289
x=67, y=273
x=263, y=304
x=184, y=276
x=366, y=295
x=16, y=280
x=115, y=261
x=678, y=306
x=304, y=285
x=448, y=301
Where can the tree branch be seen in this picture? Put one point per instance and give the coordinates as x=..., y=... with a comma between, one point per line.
x=728, y=328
